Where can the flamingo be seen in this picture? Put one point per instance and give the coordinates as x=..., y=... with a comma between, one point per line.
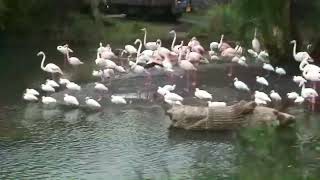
x=91, y=103
x=193, y=42
x=50, y=68
x=240, y=85
x=118, y=99
x=222, y=45
x=292, y=95
x=162, y=91
x=173, y=97
x=300, y=55
x=275, y=96
x=171, y=102
x=186, y=66
x=280, y=71
x=64, y=50
x=32, y=91
x=30, y=97
x=131, y=50
x=149, y=45
x=52, y=83
x=174, y=48
x=253, y=53
x=47, y=88
x=202, y=94
x=262, y=96
x=260, y=101
x=74, y=61
x=73, y=86
x=170, y=87
x=255, y=42
x=100, y=87
x=63, y=81
x=214, y=46
x=268, y=67
x=145, y=56
x=70, y=100
x=308, y=92
x=48, y=100
x=299, y=100
x=262, y=81
x=299, y=79
x=216, y=104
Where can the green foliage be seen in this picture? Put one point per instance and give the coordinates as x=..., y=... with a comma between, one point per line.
x=278, y=22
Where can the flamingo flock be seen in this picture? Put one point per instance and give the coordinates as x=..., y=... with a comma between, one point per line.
x=188, y=58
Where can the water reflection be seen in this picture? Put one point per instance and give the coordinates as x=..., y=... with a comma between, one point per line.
x=134, y=142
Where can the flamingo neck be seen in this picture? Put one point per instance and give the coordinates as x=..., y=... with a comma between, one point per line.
x=303, y=64
x=221, y=41
x=145, y=37
x=294, y=49
x=42, y=62
x=68, y=53
x=139, y=49
x=174, y=41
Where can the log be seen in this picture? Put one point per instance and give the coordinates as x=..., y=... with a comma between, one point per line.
x=242, y=114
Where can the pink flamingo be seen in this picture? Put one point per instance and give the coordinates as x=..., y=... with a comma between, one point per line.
x=222, y=45
x=188, y=67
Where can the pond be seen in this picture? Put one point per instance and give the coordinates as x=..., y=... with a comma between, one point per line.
x=134, y=141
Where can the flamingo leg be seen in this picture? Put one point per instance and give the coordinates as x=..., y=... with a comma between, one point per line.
x=194, y=79
x=313, y=99
x=65, y=61
x=187, y=80
x=230, y=73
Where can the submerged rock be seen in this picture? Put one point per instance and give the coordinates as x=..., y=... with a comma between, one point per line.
x=242, y=114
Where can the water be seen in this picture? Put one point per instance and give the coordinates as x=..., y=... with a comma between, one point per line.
x=134, y=141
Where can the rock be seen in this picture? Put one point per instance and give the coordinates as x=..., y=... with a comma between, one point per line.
x=242, y=114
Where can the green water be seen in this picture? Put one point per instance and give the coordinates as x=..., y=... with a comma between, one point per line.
x=133, y=141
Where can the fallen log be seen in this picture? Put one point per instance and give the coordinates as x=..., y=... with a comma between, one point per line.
x=242, y=114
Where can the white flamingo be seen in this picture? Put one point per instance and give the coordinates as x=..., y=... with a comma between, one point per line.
x=275, y=96
x=299, y=100
x=268, y=67
x=100, y=87
x=300, y=55
x=73, y=86
x=202, y=94
x=240, y=85
x=32, y=91
x=74, y=61
x=292, y=95
x=52, y=83
x=169, y=87
x=280, y=71
x=255, y=42
x=47, y=88
x=216, y=104
x=262, y=96
x=162, y=91
x=308, y=92
x=299, y=79
x=173, y=97
x=30, y=97
x=63, y=81
x=48, y=100
x=118, y=99
x=70, y=100
x=262, y=81
x=91, y=103
x=50, y=67
x=149, y=45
